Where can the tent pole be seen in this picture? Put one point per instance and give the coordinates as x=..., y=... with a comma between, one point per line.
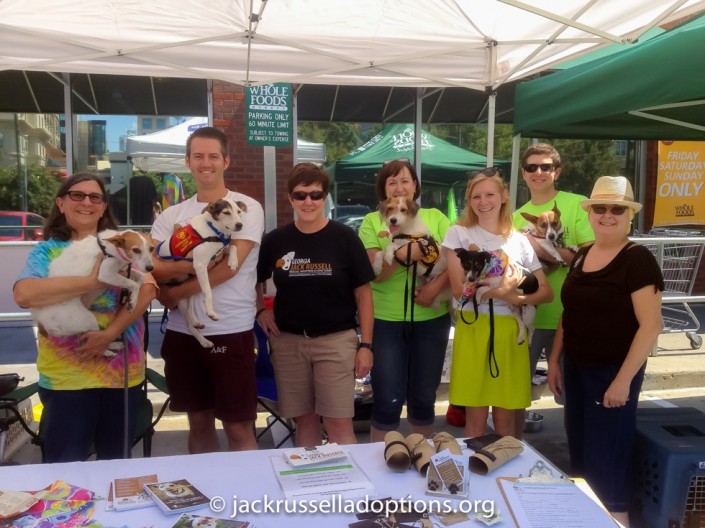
x=418, y=130
x=69, y=124
x=640, y=174
x=492, y=102
x=514, y=176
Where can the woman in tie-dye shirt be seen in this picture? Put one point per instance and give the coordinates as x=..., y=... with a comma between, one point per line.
x=81, y=389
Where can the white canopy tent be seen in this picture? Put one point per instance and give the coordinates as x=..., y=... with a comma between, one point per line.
x=478, y=44
x=164, y=151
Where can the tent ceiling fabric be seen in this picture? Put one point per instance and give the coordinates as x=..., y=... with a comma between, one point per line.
x=654, y=90
x=43, y=93
x=382, y=104
x=463, y=43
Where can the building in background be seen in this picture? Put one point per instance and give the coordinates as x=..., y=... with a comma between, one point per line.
x=38, y=137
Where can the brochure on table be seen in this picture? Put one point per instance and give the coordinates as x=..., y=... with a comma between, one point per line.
x=342, y=477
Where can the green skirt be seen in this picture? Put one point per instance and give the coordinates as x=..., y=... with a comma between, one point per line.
x=471, y=384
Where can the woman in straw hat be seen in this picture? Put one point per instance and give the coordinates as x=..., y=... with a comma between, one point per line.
x=610, y=323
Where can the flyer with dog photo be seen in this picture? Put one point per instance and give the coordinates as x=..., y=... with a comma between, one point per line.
x=176, y=496
x=201, y=521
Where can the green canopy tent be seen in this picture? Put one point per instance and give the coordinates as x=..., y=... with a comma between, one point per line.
x=651, y=90
x=443, y=166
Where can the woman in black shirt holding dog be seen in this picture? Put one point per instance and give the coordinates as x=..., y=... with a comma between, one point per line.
x=611, y=321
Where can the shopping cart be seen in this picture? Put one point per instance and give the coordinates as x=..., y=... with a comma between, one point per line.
x=678, y=252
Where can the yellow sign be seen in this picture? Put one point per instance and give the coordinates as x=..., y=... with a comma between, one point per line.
x=680, y=183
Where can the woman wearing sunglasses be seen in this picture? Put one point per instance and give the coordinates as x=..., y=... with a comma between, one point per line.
x=409, y=354
x=610, y=323
x=81, y=389
x=322, y=276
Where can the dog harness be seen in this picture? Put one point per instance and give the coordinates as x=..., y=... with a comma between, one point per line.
x=184, y=239
x=429, y=250
x=494, y=268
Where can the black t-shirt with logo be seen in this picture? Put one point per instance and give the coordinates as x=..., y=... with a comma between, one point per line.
x=315, y=275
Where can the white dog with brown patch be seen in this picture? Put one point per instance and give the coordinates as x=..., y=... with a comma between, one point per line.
x=404, y=225
x=201, y=240
x=122, y=250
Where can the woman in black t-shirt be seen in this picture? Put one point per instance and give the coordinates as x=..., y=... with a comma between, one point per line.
x=322, y=275
x=611, y=321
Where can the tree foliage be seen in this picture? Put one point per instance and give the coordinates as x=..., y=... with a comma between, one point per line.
x=42, y=184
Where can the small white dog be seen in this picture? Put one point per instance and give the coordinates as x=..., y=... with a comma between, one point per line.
x=122, y=250
x=201, y=240
x=405, y=226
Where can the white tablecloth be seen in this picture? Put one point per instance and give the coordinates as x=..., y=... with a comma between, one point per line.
x=248, y=476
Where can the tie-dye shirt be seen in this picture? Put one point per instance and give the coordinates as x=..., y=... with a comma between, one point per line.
x=59, y=366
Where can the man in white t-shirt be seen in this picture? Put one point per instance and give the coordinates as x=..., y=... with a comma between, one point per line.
x=217, y=382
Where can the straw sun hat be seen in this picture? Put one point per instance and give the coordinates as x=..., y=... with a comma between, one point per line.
x=611, y=190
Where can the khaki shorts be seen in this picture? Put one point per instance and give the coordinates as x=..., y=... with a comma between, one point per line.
x=315, y=374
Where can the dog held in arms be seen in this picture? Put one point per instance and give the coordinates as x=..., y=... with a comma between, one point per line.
x=484, y=271
x=201, y=240
x=123, y=251
x=547, y=229
x=405, y=226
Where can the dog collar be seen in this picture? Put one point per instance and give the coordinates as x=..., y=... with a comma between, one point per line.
x=222, y=237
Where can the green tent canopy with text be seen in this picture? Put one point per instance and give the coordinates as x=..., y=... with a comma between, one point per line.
x=443, y=166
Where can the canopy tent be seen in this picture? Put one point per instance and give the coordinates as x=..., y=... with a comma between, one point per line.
x=472, y=43
x=164, y=151
x=477, y=44
x=652, y=90
x=442, y=165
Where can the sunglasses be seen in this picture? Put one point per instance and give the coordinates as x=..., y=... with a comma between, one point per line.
x=300, y=196
x=545, y=167
x=489, y=172
x=615, y=210
x=78, y=196
x=403, y=160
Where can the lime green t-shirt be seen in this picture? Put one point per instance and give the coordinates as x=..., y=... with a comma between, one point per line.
x=577, y=232
x=388, y=295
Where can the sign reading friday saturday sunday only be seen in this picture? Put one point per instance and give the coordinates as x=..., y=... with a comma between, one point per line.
x=268, y=115
x=680, y=192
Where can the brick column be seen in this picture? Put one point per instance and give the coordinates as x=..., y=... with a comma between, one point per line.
x=246, y=171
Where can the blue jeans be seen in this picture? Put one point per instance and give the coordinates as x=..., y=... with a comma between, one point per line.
x=407, y=371
x=600, y=439
x=74, y=421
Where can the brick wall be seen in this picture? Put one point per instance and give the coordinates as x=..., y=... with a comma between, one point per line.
x=246, y=171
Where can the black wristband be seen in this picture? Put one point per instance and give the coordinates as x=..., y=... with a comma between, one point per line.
x=365, y=345
x=259, y=312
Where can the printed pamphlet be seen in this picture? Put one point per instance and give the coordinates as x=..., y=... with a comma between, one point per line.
x=189, y=521
x=306, y=456
x=128, y=493
x=176, y=496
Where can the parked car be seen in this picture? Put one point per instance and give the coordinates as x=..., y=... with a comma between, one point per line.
x=20, y=226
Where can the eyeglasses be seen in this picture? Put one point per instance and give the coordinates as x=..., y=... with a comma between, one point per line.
x=545, y=167
x=489, y=172
x=615, y=210
x=403, y=160
x=300, y=196
x=78, y=196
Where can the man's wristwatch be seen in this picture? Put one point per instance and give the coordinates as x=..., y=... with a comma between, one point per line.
x=365, y=345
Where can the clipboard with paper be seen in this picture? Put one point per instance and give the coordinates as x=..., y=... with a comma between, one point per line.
x=535, y=503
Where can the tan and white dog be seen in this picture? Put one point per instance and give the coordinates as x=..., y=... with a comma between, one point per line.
x=404, y=225
x=123, y=250
x=201, y=240
x=546, y=228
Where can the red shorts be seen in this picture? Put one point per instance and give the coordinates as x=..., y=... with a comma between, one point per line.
x=221, y=378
